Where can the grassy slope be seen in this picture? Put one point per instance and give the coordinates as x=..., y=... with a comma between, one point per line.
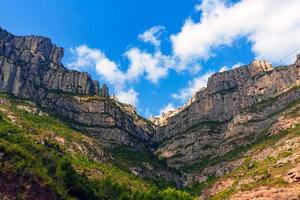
x=254, y=173
x=33, y=147
x=62, y=160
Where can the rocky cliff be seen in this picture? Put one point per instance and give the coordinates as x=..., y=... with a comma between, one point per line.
x=31, y=68
x=31, y=62
x=205, y=127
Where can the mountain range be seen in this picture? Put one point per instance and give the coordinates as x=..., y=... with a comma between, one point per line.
x=62, y=136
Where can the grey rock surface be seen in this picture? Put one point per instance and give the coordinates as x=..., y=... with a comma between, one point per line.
x=31, y=68
x=208, y=124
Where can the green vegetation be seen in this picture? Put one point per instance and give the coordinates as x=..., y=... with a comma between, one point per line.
x=255, y=173
x=258, y=107
x=261, y=105
x=128, y=156
x=48, y=151
x=234, y=154
x=261, y=140
x=225, y=194
x=45, y=149
x=125, y=158
x=197, y=188
x=214, y=127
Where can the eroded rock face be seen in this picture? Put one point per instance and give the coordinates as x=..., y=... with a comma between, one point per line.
x=102, y=118
x=213, y=119
x=30, y=62
x=31, y=68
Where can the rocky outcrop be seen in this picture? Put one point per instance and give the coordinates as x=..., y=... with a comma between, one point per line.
x=31, y=68
x=102, y=118
x=214, y=118
x=246, y=129
x=30, y=62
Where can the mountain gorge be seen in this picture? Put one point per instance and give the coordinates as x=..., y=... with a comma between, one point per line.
x=64, y=137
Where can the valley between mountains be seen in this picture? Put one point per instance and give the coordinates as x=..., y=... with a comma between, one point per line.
x=62, y=136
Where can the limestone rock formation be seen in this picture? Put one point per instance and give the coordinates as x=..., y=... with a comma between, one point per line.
x=199, y=129
x=32, y=61
x=31, y=68
x=104, y=92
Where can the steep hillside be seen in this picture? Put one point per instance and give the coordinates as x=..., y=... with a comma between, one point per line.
x=97, y=127
x=238, y=138
x=43, y=158
x=261, y=159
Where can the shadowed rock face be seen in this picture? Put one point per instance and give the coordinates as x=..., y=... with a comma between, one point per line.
x=31, y=68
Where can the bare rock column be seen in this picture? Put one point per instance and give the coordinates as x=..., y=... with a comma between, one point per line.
x=104, y=91
x=298, y=59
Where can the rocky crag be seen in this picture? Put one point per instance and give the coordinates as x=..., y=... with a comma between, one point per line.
x=31, y=68
x=205, y=127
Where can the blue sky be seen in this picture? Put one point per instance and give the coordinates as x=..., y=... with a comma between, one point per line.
x=153, y=53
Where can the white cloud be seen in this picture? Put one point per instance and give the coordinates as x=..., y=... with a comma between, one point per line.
x=272, y=27
x=237, y=65
x=148, y=114
x=198, y=83
x=224, y=68
x=152, y=35
x=169, y=107
x=86, y=57
x=193, y=86
x=155, y=66
x=129, y=97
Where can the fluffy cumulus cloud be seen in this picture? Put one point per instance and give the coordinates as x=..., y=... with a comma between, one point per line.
x=105, y=68
x=193, y=86
x=152, y=66
x=129, y=97
x=155, y=66
x=169, y=107
x=272, y=27
x=108, y=70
